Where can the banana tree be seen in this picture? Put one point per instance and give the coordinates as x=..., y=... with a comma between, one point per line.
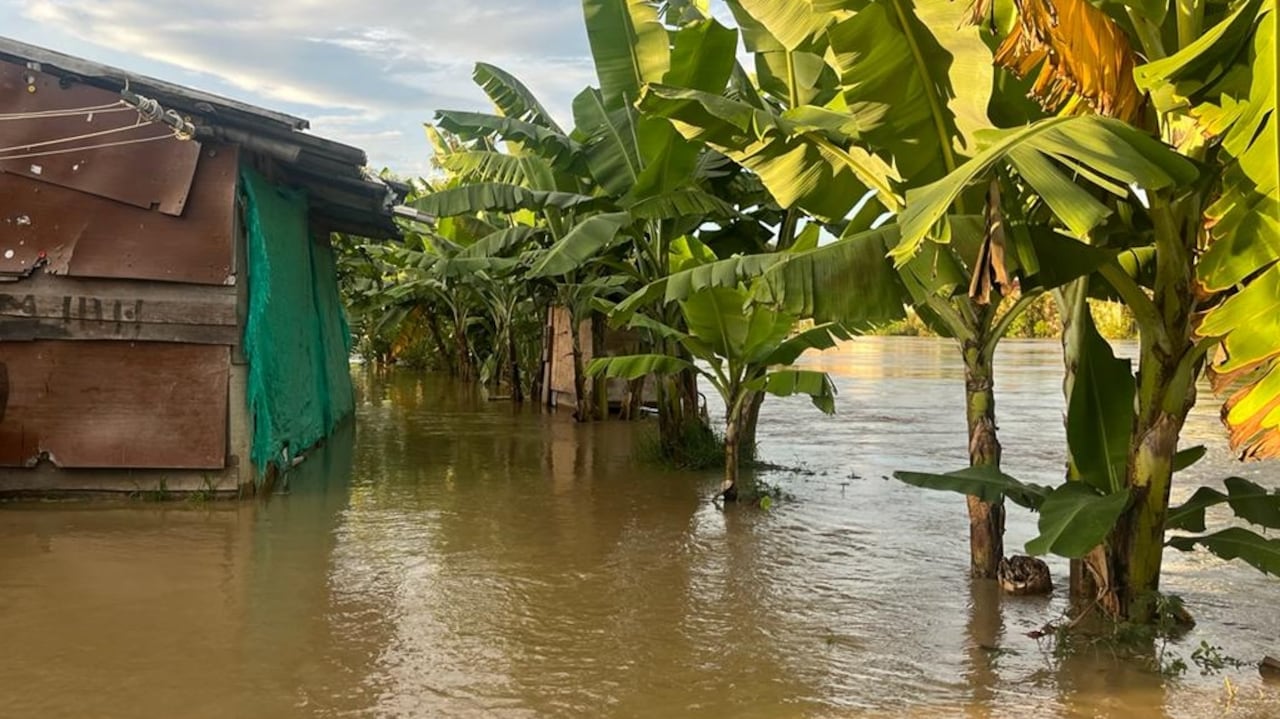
x=742, y=349
x=1209, y=79
x=651, y=183
x=863, y=103
x=542, y=159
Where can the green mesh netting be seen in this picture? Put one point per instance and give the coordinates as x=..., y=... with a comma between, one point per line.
x=296, y=338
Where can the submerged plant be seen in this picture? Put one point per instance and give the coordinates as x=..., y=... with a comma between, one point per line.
x=743, y=349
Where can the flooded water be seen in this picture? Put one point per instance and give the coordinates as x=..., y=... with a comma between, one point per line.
x=451, y=557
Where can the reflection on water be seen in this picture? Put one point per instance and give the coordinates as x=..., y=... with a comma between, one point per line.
x=461, y=558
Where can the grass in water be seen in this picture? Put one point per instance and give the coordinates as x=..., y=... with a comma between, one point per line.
x=699, y=448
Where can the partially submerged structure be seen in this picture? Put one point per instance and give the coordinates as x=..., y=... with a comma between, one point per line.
x=594, y=339
x=169, y=311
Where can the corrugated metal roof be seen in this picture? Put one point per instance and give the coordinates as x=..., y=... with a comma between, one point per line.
x=334, y=173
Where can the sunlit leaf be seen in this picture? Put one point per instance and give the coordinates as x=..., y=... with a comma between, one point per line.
x=820, y=337
x=932, y=75
x=629, y=46
x=511, y=97
x=817, y=385
x=801, y=166
x=586, y=240
x=1108, y=147
x=502, y=242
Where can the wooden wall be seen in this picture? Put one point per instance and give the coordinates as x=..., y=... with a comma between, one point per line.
x=100, y=404
x=120, y=306
x=558, y=390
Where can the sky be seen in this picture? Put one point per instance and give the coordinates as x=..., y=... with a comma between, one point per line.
x=364, y=72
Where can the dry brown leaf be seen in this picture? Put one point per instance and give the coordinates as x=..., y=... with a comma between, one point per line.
x=1251, y=437
x=1086, y=61
x=989, y=271
x=980, y=12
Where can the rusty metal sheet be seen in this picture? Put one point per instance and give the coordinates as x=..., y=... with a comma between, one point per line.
x=115, y=405
x=154, y=170
x=81, y=235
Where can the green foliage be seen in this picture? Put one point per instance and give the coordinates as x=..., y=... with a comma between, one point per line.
x=1038, y=320
x=685, y=184
x=740, y=346
x=1210, y=659
x=586, y=241
x=512, y=98
x=985, y=482
x=1117, y=156
x=699, y=448
x=1100, y=413
x=1237, y=543
x=495, y=197
x=740, y=342
x=798, y=161
x=1075, y=518
x=1249, y=502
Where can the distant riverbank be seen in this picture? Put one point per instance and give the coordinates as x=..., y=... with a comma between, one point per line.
x=1041, y=320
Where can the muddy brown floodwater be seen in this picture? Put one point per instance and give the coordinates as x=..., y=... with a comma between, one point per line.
x=452, y=557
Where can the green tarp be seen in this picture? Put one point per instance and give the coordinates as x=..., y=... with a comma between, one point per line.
x=296, y=337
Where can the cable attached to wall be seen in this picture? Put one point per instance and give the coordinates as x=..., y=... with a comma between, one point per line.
x=152, y=111
x=101, y=146
x=117, y=106
x=149, y=111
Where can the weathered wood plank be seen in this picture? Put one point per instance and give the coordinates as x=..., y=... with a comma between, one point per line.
x=28, y=329
x=115, y=404
x=47, y=480
x=73, y=300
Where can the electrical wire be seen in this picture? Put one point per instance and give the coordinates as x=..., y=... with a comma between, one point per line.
x=149, y=112
x=117, y=106
x=135, y=141
x=73, y=138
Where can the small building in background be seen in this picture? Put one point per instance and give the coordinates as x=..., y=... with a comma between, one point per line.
x=558, y=387
x=169, y=310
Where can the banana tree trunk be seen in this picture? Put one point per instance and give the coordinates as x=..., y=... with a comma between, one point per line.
x=732, y=437
x=599, y=385
x=581, y=402
x=433, y=325
x=513, y=367
x=679, y=420
x=462, y=351
x=1127, y=569
x=632, y=400
x=750, y=423
x=986, y=519
x=1124, y=574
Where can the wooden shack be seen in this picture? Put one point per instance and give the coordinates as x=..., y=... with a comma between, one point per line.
x=169, y=312
x=558, y=388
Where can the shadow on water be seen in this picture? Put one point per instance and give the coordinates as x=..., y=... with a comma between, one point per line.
x=451, y=556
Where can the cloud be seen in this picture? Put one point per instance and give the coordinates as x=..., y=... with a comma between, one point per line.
x=368, y=72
